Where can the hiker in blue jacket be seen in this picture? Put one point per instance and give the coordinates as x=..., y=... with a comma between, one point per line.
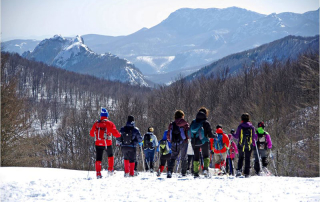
x=150, y=142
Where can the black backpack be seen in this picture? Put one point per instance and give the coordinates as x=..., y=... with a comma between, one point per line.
x=127, y=137
x=246, y=139
x=147, y=144
x=175, y=133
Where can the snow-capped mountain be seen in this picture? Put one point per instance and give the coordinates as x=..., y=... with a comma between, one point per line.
x=195, y=37
x=283, y=49
x=72, y=54
x=190, y=38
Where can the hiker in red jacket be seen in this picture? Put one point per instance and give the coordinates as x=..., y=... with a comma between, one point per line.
x=102, y=131
x=220, y=145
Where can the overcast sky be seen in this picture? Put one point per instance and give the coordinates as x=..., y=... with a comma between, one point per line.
x=39, y=19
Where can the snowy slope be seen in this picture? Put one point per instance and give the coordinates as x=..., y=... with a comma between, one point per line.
x=48, y=184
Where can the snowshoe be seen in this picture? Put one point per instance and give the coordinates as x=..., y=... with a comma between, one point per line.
x=99, y=175
x=110, y=173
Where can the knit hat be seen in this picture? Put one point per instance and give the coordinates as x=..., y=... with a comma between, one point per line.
x=150, y=129
x=104, y=113
x=219, y=131
x=218, y=126
x=130, y=119
x=261, y=124
x=232, y=131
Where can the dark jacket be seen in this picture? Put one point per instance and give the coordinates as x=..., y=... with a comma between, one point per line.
x=136, y=136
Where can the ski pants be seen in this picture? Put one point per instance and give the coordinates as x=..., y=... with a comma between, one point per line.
x=165, y=159
x=177, y=149
x=149, y=157
x=99, y=152
x=220, y=158
x=129, y=153
x=263, y=153
x=244, y=155
x=229, y=166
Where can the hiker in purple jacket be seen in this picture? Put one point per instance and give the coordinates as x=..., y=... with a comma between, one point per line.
x=246, y=136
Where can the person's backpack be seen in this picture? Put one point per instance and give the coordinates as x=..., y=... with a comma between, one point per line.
x=127, y=137
x=147, y=141
x=196, y=133
x=218, y=144
x=262, y=142
x=177, y=133
x=164, y=147
x=101, y=126
x=246, y=139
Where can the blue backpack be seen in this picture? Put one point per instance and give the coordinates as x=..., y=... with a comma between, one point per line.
x=218, y=144
x=196, y=133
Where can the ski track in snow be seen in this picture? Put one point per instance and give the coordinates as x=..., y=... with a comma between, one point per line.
x=50, y=184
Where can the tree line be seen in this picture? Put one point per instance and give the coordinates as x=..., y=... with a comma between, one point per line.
x=47, y=113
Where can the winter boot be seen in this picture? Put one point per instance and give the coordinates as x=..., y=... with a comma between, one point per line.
x=196, y=165
x=169, y=174
x=246, y=176
x=184, y=165
x=126, y=167
x=131, y=169
x=205, y=173
x=110, y=163
x=239, y=173
x=196, y=175
x=126, y=174
x=98, y=169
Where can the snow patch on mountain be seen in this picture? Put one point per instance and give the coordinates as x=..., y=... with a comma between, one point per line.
x=156, y=62
x=72, y=54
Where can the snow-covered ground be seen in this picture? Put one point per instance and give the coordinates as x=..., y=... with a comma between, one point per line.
x=48, y=184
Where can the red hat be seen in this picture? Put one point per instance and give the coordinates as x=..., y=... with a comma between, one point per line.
x=261, y=124
x=219, y=131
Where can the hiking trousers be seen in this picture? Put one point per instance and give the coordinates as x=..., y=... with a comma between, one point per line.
x=177, y=149
x=244, y=155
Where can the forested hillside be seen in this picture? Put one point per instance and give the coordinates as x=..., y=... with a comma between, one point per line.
x=47, y=112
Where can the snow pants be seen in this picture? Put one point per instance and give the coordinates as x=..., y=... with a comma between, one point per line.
x=177, y=149
x=244, y=155
x=264, y=157
x=149, y=157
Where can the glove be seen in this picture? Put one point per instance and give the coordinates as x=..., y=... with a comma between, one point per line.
x=140, y=144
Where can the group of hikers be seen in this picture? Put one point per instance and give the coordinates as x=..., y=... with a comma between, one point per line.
x=193, y=145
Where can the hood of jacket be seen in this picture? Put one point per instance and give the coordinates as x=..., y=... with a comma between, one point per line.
x=201, y=117
x=246, y=124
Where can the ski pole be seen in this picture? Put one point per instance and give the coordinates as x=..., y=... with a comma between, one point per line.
x=144, y=169
x=259, y=158
x=274, y=165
